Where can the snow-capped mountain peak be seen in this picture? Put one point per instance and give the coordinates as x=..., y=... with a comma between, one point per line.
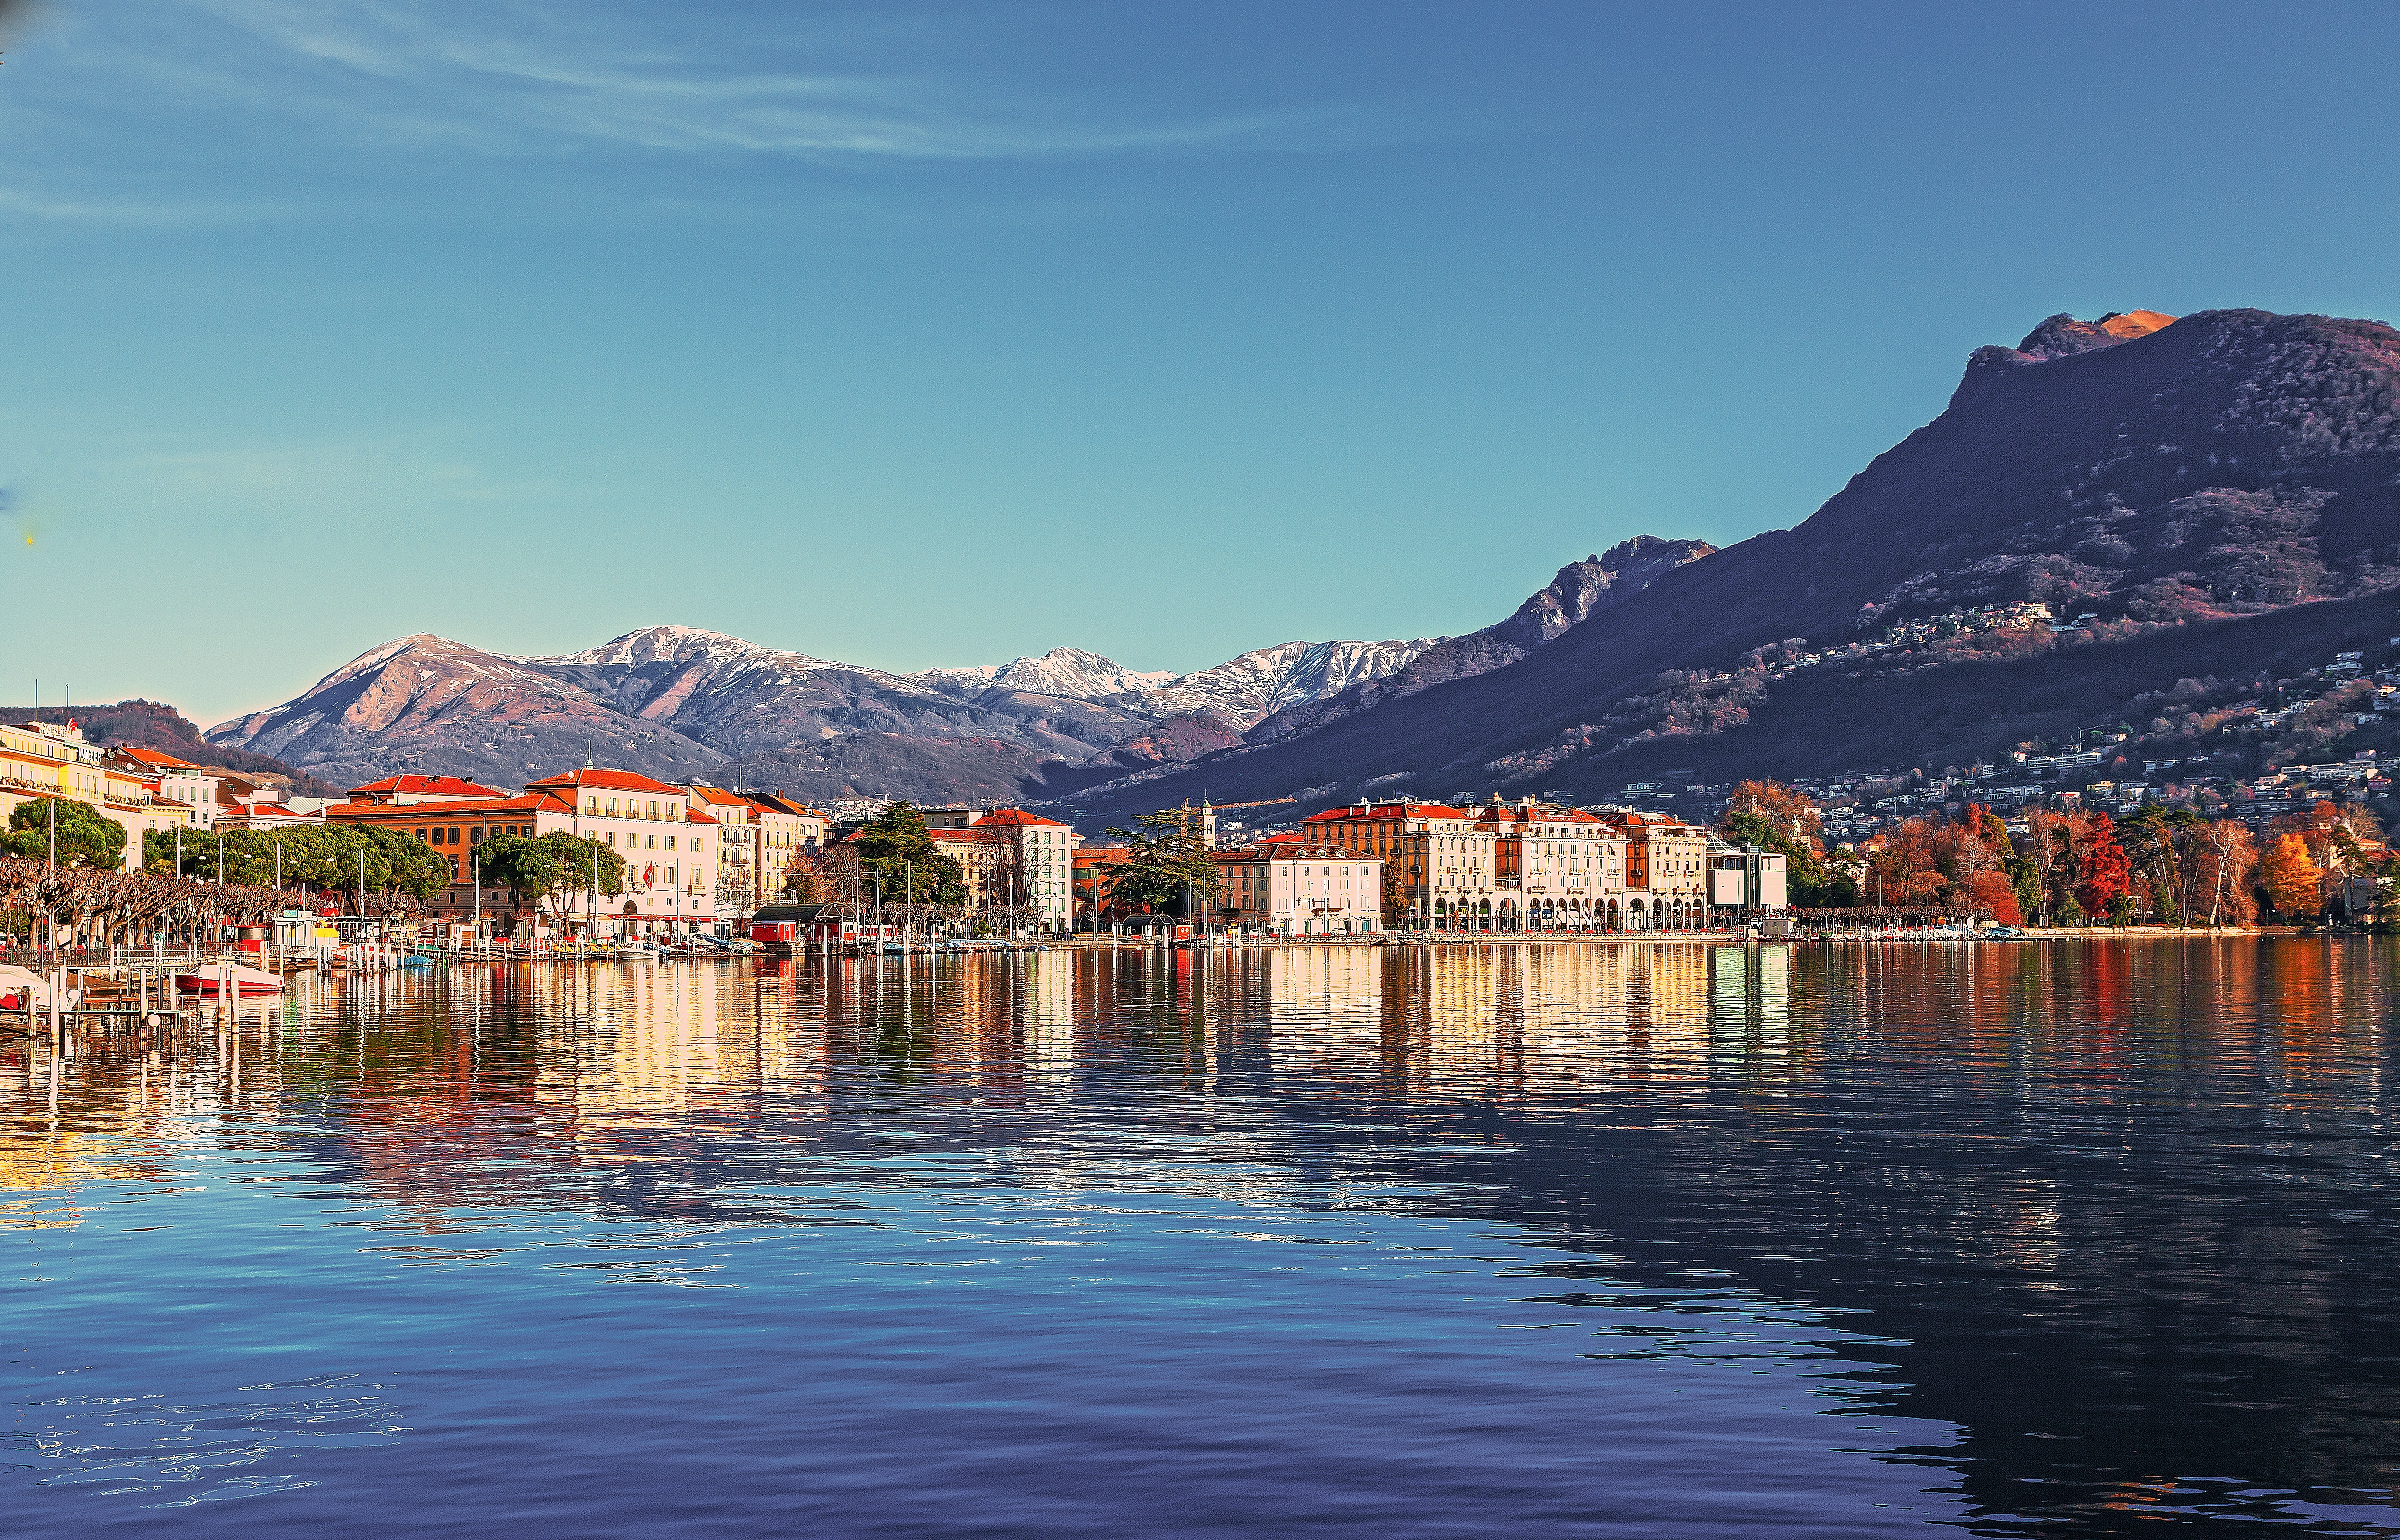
x=1065, y=671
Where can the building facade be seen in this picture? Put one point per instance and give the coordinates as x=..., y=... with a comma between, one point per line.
x=1440, y=870
x=1293, y=888
x=46, y=761
x=454, y=827
x=1556, y=868
x=1666, y=871
x=669, y=849
x=1032, y=858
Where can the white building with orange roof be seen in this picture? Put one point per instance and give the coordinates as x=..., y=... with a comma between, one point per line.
x=743, y=877
x=1554, y=868
x=668, y=844
x=268, y=815
x=1440, y=867
x=1032, y=858
x=1291, y=887
x=788, y=829
x=1666, y=871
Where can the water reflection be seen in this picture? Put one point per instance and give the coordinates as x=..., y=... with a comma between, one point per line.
x=2063, y=1237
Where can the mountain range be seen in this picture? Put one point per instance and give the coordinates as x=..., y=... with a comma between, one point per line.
x=2196, y=500
x=2224, y=486
x=686, y=704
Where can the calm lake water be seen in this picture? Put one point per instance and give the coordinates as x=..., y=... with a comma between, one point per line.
x=1641, y=1240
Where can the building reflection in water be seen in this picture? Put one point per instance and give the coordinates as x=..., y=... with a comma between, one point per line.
x=2068, y=1184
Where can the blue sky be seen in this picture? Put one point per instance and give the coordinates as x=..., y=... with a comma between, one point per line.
x=937, y=335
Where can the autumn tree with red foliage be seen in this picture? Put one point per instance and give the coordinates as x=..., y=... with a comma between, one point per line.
x=2101, y=870
x=2293, y=881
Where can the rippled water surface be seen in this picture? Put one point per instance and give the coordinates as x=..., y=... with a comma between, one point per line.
x=1628, y=1240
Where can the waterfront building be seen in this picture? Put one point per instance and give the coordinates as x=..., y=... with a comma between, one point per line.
x=1031, y=858
x=1095, y=873
x=788, y=829
x=742, y=882
x=454, y=826
x=979, y=853
x=1745, y=880
x=51, y=760
x=1294, y=888
x=1554, y=868
x=1441, y=868
x=1666, y=871
x=669, y=853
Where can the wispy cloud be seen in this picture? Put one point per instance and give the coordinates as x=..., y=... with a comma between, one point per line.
x=532, y=75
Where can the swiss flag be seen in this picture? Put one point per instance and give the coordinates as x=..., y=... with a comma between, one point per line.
x=650, y=875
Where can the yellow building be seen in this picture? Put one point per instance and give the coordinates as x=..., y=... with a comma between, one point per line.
x=43, y=760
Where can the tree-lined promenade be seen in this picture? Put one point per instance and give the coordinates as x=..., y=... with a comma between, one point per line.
x=98, y=908
x=68, y=875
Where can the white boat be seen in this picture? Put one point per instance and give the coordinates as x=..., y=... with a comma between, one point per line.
x=23, y=989
x=244, y=981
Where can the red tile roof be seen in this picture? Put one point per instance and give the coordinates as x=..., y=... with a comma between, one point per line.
x=422, y=812
x=785, y=805
x=1013, y=818
x=426, y=785
x=153, y=757
x=1388, y=810
x=603, y=779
